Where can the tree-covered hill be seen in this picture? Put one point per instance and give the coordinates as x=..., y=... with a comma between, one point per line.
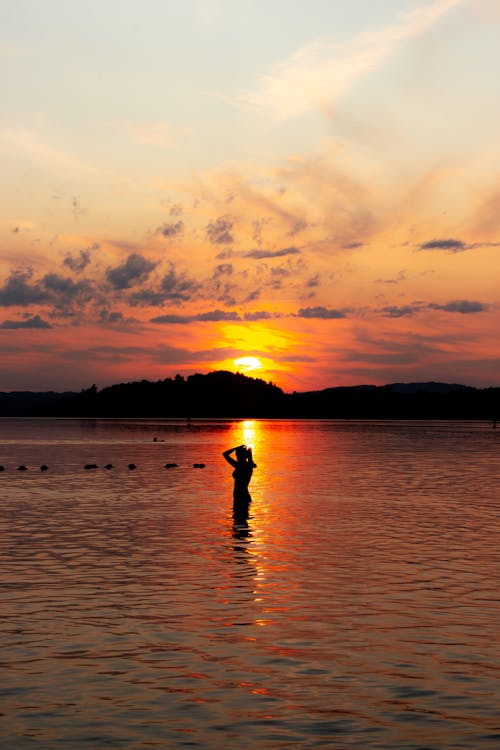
x=226, y=394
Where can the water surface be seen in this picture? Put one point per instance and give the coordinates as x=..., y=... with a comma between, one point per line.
x=355, y=607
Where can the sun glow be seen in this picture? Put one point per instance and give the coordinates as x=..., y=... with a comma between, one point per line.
x=248, y=363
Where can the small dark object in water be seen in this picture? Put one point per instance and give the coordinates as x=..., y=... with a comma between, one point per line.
x=132, y=466
x=198, y=466
x=90, y=466
x=44, y=467
x=22, y=468
x=109, y=466
x=171, y=466
x=2, y=468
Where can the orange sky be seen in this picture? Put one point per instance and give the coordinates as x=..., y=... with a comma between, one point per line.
x=317, y=191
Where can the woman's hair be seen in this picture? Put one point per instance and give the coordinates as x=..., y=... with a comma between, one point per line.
x=242, y=452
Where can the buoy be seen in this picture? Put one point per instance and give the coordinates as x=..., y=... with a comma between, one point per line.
x=198, y=466
x=171, y=466
x=131, y=466
x=90, y=466
x=109, y=466
x=43, y=467
x=22, y=468
x=2, y=468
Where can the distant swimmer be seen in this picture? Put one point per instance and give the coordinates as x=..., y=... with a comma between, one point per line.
x=243, y=469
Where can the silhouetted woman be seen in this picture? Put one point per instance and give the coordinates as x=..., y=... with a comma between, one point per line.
x=243, y=470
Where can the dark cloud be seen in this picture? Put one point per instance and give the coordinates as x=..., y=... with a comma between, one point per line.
x=218, y=315
x=462, y=306
x=108, y=316
x=79, y=262
x=60, y=291
x=260, y=254
x=320, y=312
x=171, y=230
x=225, y=254
x=135, y=269
x=313, y=281
x=18, y=291
x=64, y=293
x=455, y=306
x=34, y=322
x=260, y=315
x=253, y=295
x=219, y=232
x=223, y=269
x=175, y=286
x=298, y=226
x=147, y=298
x=450, y=245
x=404, y=311
x=212, y=316
x=172, y=319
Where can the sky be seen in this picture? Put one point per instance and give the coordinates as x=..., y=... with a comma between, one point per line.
x=307, y=192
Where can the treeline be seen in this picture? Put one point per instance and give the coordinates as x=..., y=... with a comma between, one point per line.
x=225, y=394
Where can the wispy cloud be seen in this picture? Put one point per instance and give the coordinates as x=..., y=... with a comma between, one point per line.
x=320, y=71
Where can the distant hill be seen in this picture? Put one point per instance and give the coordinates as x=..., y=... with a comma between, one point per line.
x=227, y=394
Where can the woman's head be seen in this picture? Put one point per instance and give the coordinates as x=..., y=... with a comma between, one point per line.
x=242, y=453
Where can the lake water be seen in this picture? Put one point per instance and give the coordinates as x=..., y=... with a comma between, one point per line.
x=356, y=606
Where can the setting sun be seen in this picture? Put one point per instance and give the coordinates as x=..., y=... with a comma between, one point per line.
x=248, y=363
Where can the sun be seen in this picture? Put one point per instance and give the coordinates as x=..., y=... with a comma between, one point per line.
x=248, y=363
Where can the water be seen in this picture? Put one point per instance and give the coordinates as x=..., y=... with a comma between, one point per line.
x=355, y=607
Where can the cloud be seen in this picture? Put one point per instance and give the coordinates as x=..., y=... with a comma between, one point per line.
x=63, y=292
x=261, y=315
x=455, y=246
x=395, y=311
x=450, y=245
x=135, y=269
x=260, y=254
x=219, y=232
x=299, y=226
x=175, y=286
x=463, y=306
x=320, y=312
x=322, y=70
x=218, y=315
x=171, y=230
x=223, y=269
x=34, y=322
x=79, y=262
x=17, y=291
x=212, y=316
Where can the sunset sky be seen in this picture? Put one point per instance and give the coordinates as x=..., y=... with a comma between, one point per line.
x=309, y=187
